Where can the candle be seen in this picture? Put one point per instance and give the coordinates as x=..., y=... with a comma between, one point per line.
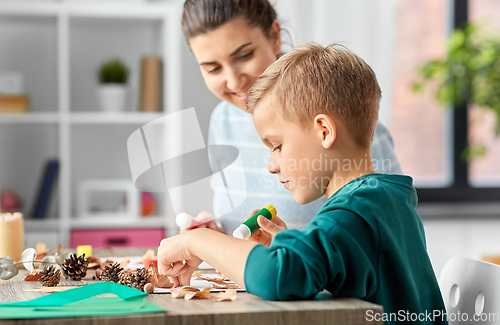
x=11, y=235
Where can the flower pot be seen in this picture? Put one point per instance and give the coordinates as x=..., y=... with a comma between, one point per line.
x=112, y=97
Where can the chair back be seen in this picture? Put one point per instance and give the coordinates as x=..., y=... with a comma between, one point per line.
x=471, y=291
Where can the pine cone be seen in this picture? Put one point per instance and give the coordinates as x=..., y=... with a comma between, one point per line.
x=139, y=278
x=75, y=267
x=110, y=272
x=124, y=277
x=50, y=276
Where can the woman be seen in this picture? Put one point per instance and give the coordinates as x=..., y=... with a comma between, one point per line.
x=234, y=41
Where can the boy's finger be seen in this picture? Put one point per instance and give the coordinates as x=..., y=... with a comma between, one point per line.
x=280, y=222
x=269, y=226
x=185, y=277
x=174, y=280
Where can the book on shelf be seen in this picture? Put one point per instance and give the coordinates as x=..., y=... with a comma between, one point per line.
x=14, y=103
x=150, y=94
x=45, y=189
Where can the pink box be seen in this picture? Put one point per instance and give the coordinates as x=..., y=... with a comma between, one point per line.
x=102, y=238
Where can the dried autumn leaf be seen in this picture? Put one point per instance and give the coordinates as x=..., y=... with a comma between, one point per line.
x=177, y=293
x=149, y=255
x=205, y=294
x=189, y=289
x=215, y=280
x=125, y=261
x=93, y=265
x=226, y=286
x=228, y=295
x=33, y=277
x=157, y=280
x=40, y=248
x=94, y=261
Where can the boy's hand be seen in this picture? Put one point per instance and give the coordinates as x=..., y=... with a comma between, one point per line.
x=268, y=229
x=204, y=220
x=176, y=260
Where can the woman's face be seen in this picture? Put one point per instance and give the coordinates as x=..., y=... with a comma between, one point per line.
x=233, y=56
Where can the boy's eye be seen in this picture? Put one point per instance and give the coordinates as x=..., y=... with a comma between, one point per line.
x=244, y=56
x=213, y=70
x=277, y=148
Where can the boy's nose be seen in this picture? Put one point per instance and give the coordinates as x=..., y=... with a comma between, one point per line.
x=273, y=167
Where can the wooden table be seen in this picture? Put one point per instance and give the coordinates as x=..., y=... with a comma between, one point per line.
x=247, y=309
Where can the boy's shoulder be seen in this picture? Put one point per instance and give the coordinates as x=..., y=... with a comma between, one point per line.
x=375, y=183
x=373, y=195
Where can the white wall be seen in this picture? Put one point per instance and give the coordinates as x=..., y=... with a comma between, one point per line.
x=458, y=229
x=366, y=27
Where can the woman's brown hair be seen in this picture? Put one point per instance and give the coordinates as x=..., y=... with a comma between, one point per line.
x=202, y=16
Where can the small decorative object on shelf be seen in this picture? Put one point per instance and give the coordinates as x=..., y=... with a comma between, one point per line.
x=150, y=84
x=14, y=103
x=110, y=272
x=112, y=198
x=9, y=202
x=148, y=204
x=112, y=90
x=12, y=96
x=75, y=267
x=50, y=276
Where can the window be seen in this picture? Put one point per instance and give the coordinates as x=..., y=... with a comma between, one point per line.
x=484, y=171
x=419, y=126
x=429, y=139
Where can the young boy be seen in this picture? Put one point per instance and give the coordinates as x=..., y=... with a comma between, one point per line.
x=316, y=109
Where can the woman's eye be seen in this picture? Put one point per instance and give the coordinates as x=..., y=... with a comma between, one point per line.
x=213, y=70
x=244, y=56
x=277, y=148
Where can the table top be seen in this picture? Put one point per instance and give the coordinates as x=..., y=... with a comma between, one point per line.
x=247, y=309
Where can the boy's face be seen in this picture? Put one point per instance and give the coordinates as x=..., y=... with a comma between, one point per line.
x=295, y=152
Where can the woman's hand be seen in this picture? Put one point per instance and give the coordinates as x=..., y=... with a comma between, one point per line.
x=268, y=229
x=176, y=260
x=204, y=219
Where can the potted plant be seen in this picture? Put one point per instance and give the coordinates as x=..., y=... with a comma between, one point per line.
x=112, y=90
x=468, y=75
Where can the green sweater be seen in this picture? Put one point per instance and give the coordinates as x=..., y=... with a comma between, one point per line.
x=366, y=242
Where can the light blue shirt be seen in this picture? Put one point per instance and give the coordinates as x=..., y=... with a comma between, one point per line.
x=230, y=125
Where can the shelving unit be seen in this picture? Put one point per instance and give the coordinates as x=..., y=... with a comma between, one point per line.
x=58, y=46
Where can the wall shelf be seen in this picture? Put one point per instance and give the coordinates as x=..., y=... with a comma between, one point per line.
x=30, y=118
x=113, y=118
x=58, y=47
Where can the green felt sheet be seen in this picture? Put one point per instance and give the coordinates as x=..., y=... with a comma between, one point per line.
x=81, y=302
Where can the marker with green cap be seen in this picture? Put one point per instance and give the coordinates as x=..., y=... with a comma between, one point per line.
x=247, y=228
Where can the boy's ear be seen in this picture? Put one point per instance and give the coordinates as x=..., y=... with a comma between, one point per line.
x=275, y=34
x=326, y=128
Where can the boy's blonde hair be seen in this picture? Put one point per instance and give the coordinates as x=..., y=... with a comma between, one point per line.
x=313, y=79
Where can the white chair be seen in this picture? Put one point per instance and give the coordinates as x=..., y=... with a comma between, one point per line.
x=471, y=291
